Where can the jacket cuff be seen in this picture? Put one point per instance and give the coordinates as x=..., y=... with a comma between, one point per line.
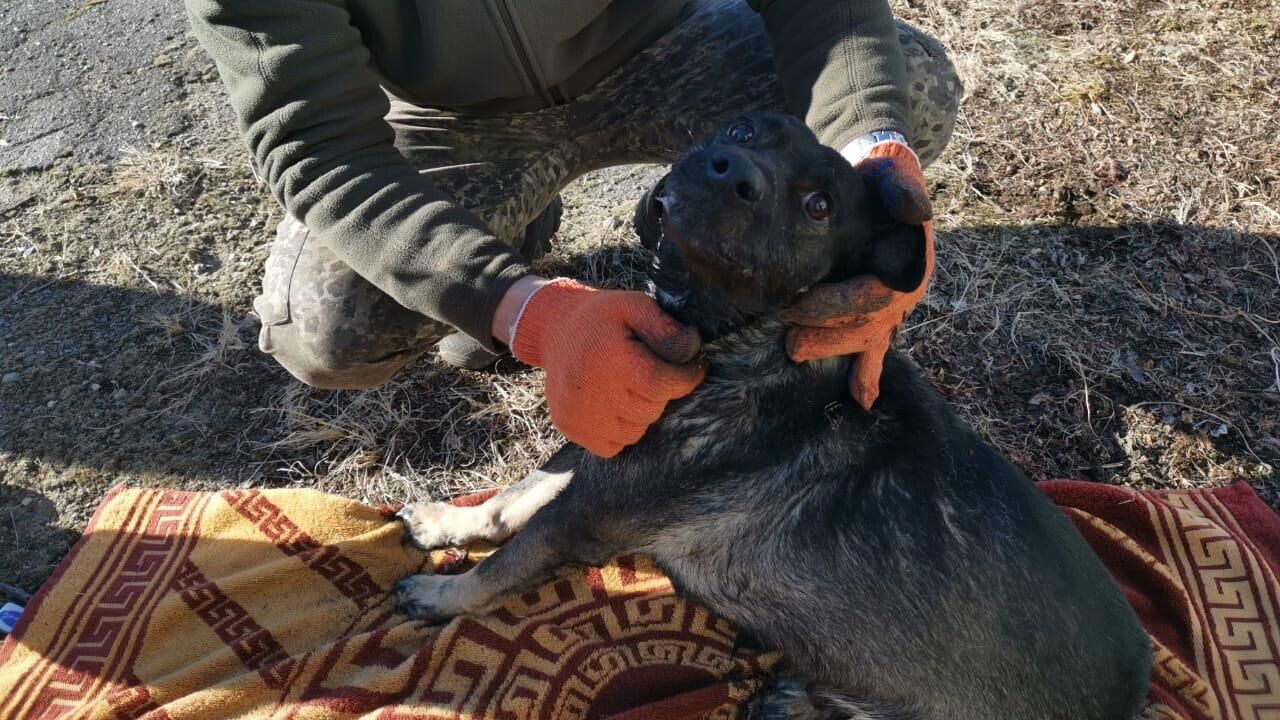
x=479, y=325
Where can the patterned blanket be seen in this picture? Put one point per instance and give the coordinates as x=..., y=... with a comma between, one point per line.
x=275, y=604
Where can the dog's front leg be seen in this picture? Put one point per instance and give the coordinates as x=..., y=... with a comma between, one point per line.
x=554, y=538
x=440, y=524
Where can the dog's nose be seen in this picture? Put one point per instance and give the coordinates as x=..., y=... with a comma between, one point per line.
x=733, y=172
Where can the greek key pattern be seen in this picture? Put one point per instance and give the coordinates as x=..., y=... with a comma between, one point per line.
x=234, y=626
x=1238, y=659
x=1170, y=670
x=345, y=574
x=559, y=650
x=589, y=643
x=101, y=637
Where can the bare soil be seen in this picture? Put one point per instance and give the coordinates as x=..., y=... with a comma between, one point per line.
x=1107, y=303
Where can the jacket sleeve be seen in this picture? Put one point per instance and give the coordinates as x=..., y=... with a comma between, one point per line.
x=311, y=111
x=841, y=65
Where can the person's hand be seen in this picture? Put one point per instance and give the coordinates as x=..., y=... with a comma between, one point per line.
x=861, y=315
x=613, y=358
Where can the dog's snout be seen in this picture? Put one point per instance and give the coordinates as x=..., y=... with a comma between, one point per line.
x=733, y=172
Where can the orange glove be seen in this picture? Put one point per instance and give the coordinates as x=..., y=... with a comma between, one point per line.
x=861, y=315
x=613, y=360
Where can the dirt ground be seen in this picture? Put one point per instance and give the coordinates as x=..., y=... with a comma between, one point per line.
x=1107, y=304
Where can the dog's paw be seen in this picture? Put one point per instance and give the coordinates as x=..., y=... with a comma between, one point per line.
x=785, y=699
x=440, y=525
x=434, y=598
x=795, y=699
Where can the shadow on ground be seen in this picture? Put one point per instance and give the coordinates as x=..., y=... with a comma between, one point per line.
x=148, y=384
x=125, y=380
x=31, y=543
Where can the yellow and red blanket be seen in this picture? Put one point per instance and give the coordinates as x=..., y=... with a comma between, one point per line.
x=275, y=604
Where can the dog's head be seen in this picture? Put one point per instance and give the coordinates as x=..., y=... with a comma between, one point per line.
x=759, y=212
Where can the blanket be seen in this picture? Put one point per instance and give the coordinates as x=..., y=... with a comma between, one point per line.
x=276, y=604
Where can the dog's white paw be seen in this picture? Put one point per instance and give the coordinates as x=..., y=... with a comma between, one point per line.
x=434, y=598
x=439, y=525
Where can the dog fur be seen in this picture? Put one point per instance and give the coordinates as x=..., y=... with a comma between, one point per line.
x=905, y=568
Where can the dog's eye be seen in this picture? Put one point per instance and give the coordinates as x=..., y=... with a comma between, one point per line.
x=741, y=131
x=818, y=206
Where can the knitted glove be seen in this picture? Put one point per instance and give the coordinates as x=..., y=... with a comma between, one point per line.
x=861, y=315
x=613, y=360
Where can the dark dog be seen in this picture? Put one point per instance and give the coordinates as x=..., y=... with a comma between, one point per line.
x=904, y=567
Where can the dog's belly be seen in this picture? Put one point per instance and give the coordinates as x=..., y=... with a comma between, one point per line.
x=900, y=604
x=747, y=568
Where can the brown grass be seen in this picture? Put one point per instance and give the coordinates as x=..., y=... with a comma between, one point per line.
x=1108, y=297
x=434, y=434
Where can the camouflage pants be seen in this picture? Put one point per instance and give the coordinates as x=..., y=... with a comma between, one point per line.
x=331, y=328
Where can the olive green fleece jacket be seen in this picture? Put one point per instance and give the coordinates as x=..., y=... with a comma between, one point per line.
x=305, y=78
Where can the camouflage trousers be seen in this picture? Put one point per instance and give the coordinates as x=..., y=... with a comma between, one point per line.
x=331, y=328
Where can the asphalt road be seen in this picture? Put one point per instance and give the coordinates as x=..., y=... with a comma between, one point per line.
x=87, y=78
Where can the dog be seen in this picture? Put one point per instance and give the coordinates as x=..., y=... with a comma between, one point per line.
x=904, y=567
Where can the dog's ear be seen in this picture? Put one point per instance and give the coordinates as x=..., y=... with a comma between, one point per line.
x=898, y=256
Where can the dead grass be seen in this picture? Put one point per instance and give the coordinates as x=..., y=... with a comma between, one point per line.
x=435, y=434
x=214, y=342
x=1108, y=300
x=169, y=172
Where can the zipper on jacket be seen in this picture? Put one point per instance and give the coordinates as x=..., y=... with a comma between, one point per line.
x=551, y=94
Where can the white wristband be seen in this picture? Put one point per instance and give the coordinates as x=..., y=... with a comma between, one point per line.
x=515, y=324
x=861, y=146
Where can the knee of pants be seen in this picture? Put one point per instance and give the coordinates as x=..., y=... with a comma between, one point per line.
x=333, y=358
x=935, y=89
x=327, y=326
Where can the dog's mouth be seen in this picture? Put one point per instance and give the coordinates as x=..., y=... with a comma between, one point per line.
x=704, y=260
x=678, y=262
x=649, y=216
x=663, y=242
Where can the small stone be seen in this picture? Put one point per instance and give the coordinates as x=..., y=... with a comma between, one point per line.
x=120, y=395
x=10, y=378
x=138, y=124
x=51, y=403
x=95, y=387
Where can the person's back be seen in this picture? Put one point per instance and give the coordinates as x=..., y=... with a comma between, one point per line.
x=502, y=56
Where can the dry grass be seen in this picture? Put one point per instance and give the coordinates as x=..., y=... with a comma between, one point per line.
x=434, y=434
x=170, y=172
x=1108, y=297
